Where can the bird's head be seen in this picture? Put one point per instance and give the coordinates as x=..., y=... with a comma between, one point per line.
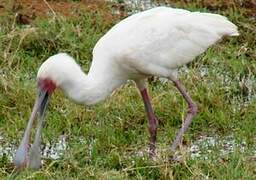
x=58, y=71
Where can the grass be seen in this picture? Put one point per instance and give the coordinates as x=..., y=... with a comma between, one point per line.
x=114, y=133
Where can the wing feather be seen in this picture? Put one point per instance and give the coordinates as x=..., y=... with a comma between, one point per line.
x=162, y=38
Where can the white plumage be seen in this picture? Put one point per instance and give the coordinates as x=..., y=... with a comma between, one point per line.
x=154, y=42
x=151, y=43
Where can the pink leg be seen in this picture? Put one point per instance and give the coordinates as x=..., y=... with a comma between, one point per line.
x=192, y=110
x=152, y=122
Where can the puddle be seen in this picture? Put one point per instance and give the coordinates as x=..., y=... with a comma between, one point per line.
x=205, y=147
x=7, y=151
x=133, y=6
x=49, y=151
x=139, y=5
x=56, y=150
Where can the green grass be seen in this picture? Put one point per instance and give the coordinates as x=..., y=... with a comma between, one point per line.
x=115, y=132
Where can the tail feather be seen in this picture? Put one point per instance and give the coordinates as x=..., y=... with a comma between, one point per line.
x=220, y=24
x=223, y=24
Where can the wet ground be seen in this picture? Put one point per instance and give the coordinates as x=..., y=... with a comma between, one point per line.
x=202, y=148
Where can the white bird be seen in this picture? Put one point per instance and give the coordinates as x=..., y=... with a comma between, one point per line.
x=155, y=42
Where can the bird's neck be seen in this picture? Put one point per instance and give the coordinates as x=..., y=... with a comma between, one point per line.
x=91, y=88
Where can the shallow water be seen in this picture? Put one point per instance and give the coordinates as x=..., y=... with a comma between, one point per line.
x=55, y=150
x=52, y=151
x=205, y=147
x=135, y=5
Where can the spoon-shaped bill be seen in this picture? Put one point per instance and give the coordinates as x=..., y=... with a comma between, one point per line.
x=34, y=160
x=21, y=156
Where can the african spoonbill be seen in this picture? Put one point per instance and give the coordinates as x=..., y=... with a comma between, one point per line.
x=155, y=42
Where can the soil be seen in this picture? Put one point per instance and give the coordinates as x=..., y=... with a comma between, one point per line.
x=28, y=10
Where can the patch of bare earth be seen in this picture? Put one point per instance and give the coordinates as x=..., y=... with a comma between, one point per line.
x=28, y=10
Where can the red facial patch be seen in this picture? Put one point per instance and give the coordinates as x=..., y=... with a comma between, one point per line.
x=47, y=85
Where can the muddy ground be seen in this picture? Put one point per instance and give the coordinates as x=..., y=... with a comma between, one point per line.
x=28, y=10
